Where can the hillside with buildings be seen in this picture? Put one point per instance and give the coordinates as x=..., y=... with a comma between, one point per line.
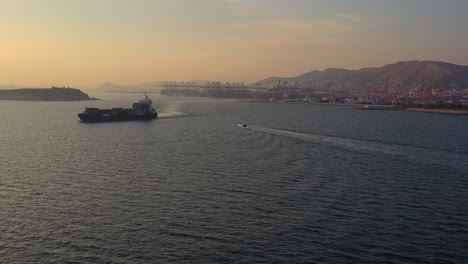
x=403, y=78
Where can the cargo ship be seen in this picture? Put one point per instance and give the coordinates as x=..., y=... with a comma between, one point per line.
x=142, y=110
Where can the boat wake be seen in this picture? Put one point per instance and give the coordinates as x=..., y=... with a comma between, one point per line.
x=371, y=147
x=171, y=114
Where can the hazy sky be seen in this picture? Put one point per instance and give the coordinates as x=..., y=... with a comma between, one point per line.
x=87, y=42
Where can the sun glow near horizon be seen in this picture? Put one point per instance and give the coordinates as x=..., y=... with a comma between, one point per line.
x=85, y=43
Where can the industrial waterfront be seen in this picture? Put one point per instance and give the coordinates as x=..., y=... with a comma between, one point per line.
x=417, y=97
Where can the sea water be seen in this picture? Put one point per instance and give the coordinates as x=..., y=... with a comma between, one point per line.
x=300, y=184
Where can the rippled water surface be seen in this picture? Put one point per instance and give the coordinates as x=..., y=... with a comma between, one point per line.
x=301, y=184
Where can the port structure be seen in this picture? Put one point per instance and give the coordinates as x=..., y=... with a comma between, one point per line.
x=423, y=92
x=211, y=89
x=427, y=91
x=380, y=91
x=283, y=90
x=384, y=95
x=441, y=92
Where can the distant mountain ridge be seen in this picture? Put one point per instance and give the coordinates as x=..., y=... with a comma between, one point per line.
x=405, y=73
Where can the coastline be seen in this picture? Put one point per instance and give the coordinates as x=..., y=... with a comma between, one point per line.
x=45, y=94
x=437, y=111
x=287, y=102
x=361, y=107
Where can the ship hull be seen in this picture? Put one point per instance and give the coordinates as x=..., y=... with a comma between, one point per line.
x=97, y=117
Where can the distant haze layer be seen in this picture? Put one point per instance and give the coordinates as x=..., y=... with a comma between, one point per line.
x=85, y=43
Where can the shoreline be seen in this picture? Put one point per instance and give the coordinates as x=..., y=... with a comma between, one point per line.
x=361, y=107
x=286, y=102
x=437, y=111
x=45, y=94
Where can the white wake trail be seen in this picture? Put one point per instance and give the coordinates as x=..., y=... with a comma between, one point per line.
x=372, y=147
